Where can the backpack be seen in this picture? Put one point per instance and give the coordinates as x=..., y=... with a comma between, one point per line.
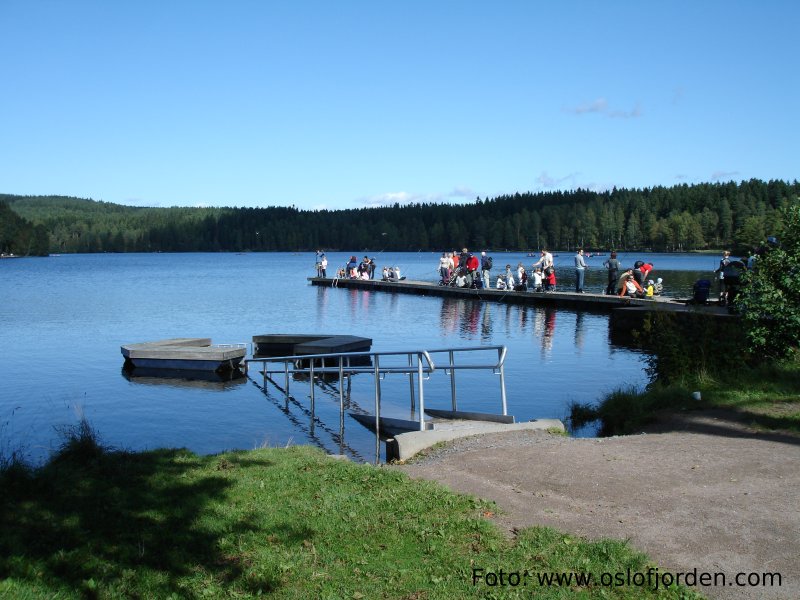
x=489, y=263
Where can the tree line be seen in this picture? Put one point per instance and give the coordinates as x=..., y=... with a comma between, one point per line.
x=663, y=219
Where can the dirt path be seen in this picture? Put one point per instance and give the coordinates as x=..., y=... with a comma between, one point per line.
x=706, y=493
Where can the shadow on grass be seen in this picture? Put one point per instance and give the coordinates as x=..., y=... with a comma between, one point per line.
x=92, y=514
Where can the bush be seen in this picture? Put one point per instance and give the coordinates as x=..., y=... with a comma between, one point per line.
x=770, y=298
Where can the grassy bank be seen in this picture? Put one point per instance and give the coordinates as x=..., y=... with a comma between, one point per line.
x=288, y=523
x=765, y=397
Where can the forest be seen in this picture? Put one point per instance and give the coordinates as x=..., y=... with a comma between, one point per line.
x=680, y=218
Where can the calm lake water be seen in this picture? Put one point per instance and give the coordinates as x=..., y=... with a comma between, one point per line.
x=64, y=319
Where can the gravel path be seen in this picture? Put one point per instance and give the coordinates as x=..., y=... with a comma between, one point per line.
x=705, y=493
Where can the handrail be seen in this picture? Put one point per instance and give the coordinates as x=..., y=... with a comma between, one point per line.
x=341, y=363
x=419, y=370
x=497, y=368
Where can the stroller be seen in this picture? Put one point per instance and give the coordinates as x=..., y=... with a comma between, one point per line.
x=700, y=290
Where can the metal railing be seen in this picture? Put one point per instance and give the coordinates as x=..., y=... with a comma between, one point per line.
x=418, y=366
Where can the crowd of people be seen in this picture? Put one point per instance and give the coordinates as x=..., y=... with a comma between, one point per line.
x=467, y=270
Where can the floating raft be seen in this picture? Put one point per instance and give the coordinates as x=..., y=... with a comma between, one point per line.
x=287, y=344
x=185, y=354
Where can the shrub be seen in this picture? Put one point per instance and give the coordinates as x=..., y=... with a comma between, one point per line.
x=770, y=298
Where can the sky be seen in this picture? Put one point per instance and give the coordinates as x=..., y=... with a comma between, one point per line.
x=351, y=104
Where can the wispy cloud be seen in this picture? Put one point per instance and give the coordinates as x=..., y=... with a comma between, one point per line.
x=391, y=198
x=726, y=175
x=546, y=181
x=600, y=106
x=571, y=181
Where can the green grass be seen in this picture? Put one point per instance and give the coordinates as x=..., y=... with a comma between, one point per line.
x=766, y=397
x=285, y=523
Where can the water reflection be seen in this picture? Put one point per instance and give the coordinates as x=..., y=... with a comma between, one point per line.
x=177, y=378
x=580, y=330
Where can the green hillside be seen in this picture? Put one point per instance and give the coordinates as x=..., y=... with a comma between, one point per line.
x=678, y=218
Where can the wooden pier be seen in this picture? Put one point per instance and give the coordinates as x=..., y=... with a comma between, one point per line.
x=572, y=300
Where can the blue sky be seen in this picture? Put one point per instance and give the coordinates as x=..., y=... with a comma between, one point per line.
x=353, y=103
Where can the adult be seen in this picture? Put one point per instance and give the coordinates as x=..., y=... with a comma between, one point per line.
x=613, y=266
x=486, y=266
x=472, y=269
x=638, y=273
x=444, y=269
x=352, y=265
x=323, y=265
x=545, y=261
x=631, y=288
x=372, y=268
x=622, y=279
x=580, y=271
x=723, y=264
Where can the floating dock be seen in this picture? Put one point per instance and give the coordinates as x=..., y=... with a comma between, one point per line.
x=289, y=344
x=184, y=354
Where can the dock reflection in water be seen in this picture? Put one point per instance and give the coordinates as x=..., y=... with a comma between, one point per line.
x=182, y=378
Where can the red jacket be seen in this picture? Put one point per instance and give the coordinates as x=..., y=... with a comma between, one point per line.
x=472, y=263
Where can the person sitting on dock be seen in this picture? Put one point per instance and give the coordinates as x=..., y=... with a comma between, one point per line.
x=650, y=290
x=461, y=279
x=351, y=268
x=622, y=279
x=501, y=282
x=658, y=288
x=631, y=288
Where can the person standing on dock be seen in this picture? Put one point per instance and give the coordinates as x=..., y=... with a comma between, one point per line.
x=444, y=269
x=323, y=265
x=612, y=264
x=545, y=261
x=723, y=264
x=486, y=266
x=580, y=271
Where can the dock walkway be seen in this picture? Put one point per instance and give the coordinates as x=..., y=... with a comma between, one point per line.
x=586, y=301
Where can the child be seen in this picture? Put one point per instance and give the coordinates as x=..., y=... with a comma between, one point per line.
x=550, y=280
x=537, y=280
x=659, y=287
x=650, y=289
x=501, y=282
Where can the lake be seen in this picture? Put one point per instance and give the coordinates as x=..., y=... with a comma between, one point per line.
x=64, y=319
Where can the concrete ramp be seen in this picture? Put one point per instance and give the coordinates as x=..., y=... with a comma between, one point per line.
x=405, y=445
